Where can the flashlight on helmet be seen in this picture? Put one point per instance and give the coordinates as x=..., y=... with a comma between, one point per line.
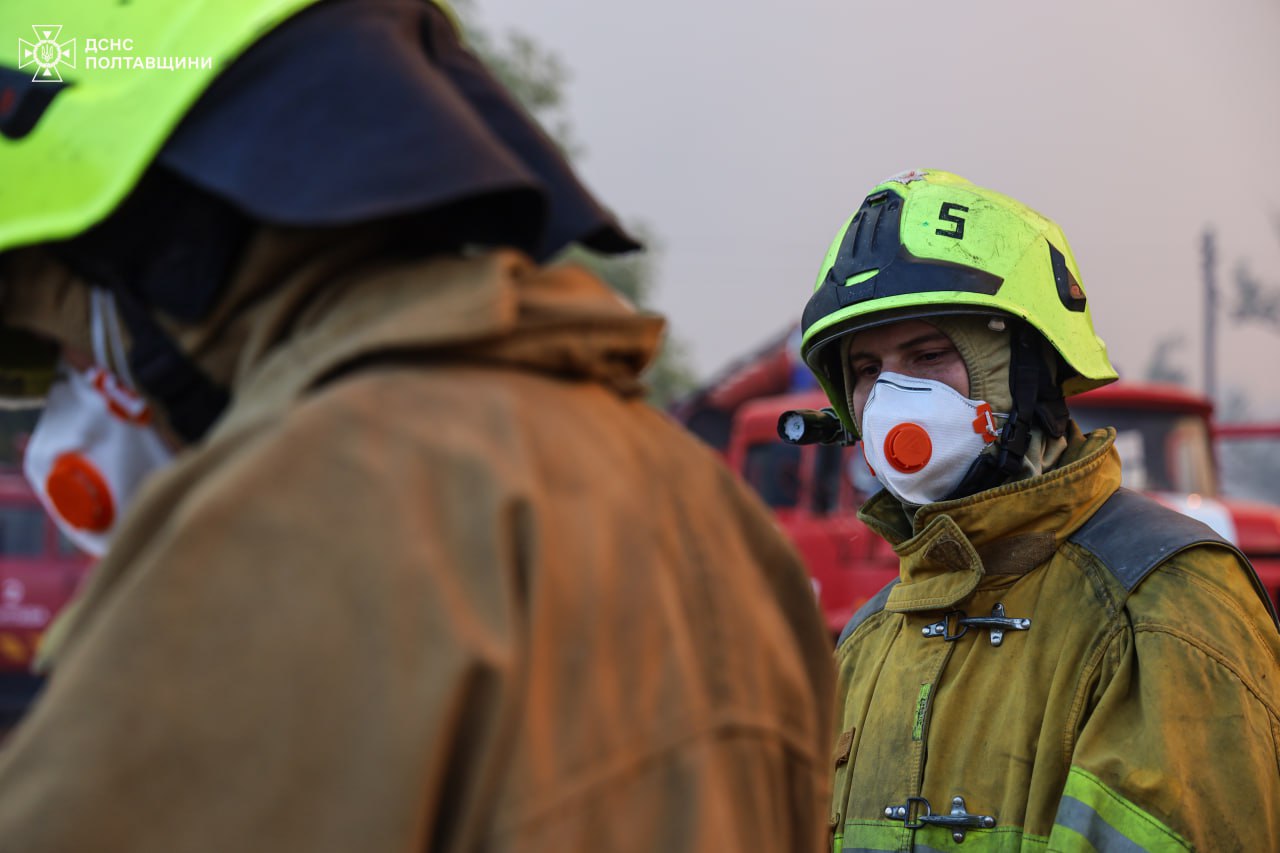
x=812, y=426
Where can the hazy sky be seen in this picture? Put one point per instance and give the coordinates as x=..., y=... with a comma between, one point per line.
x=744, y=133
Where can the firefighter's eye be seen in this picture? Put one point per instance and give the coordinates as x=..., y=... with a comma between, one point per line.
x=866, y=369
x=932, y=357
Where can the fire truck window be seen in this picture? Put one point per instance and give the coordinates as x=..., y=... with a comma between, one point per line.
x=773, y=470
x=16, y=426
x=1190, y=456
x=712, y=426
x=1251, y=468
x=1159, y=451
x=1133, y=458
x=864, y=482
x=21, y=531
x=826, y=479
x=67, y=548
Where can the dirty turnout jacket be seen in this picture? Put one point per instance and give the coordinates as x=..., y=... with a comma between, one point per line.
x=440, y=580
x=1082, y=715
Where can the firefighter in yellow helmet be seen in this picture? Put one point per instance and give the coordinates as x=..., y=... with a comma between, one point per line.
x=1062, y=664
x=394, y=554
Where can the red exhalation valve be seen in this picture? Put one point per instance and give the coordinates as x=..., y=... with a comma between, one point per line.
x=80, y=493
x=907, y=447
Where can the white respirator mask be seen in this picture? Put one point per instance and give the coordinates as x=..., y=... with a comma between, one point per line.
x=921, y=436
x=94, y=443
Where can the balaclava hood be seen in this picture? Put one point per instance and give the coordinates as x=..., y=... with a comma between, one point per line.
x=985, y=348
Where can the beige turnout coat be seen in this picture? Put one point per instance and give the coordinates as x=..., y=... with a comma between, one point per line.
x=438, y=580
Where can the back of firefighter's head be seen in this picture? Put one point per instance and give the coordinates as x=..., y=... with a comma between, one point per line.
x=148, y=148
x=932, y=267
x=167, y=167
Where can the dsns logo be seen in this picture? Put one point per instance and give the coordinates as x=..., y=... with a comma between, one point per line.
x=46, y=53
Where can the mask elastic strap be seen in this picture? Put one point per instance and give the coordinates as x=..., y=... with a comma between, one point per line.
x=106, y=331
x=191, y=400
x=1027, y=373
x=1051, y=405
x=1025, y=367
x=115, y=337
x=846, y=370
x=97, y=327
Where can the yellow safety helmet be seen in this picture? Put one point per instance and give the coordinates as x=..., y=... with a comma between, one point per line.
x=143, y=144
x=926, y=243
x=79, y=123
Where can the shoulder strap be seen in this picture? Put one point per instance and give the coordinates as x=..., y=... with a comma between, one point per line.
x=873, y=606
x=1132, y=535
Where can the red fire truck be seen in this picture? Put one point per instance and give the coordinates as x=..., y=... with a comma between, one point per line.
x=1164, y=435
x=39, y=571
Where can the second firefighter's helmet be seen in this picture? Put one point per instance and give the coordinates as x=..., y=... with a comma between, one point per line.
x=926, y=243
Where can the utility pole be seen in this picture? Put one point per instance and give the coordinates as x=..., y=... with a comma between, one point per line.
x=1209, y=255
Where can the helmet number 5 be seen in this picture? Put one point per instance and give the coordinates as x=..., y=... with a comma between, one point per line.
x=947, y=213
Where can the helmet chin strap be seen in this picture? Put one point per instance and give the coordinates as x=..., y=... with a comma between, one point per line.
x=169, y=247
x=1037, y=400
x=190, y=399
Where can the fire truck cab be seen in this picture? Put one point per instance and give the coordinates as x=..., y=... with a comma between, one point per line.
x=39, y=572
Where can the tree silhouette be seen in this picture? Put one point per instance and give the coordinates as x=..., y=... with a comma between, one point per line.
x=537, y=77
x=1162, y=367
x=1255, y=301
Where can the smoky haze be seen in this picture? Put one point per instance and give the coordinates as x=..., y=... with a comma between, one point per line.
x=744, y=133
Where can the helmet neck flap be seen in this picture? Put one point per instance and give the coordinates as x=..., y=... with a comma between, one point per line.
x=149, y=182
x=1037, y=402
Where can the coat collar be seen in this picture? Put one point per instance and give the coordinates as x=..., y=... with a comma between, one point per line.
x=947, y=550
x=497, y=308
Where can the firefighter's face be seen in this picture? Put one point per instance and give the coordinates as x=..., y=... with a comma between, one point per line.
x=909, y=347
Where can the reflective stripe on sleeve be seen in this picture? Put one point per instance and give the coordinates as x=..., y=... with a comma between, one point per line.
x=1091, y=816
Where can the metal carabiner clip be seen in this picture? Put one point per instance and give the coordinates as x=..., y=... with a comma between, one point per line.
x=997, y=623
x=958, y=820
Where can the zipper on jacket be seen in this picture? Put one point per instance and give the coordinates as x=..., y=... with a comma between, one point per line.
x=916, y=813
x=922, y=716
x=997, y=623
